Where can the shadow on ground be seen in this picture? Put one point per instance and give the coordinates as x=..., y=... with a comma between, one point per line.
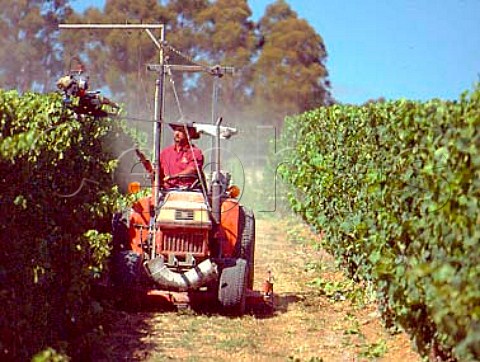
x=127, y=329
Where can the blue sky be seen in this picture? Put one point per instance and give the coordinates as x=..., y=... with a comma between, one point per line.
x=415, y=49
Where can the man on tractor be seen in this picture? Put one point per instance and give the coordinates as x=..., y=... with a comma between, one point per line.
x=182, y=162
x=181, y=243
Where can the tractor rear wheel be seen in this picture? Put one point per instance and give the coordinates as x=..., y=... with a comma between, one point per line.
x=245, y=247
x=232, y=287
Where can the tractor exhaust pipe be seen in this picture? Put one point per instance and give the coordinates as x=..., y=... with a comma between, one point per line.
x=216, y=185
x=182, y=282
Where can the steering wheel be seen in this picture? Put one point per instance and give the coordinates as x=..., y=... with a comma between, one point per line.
x=191, y=176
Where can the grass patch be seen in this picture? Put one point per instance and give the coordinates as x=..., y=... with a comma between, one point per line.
x=374, y=350
x=235, y=344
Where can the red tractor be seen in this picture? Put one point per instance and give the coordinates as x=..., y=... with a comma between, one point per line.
x=197, y=239
x=190, y=240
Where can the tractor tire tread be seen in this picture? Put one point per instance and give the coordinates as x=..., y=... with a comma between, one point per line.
x=232, y=287
x=245, y=248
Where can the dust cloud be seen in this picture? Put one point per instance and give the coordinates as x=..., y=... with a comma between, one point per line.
x=246, y=156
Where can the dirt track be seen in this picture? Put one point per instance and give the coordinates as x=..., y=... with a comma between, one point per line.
x=310, y=323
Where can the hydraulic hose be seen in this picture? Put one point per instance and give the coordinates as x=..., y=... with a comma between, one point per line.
x=191, y=279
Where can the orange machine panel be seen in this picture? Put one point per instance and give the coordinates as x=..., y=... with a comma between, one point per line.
x=139, y=222
x=229, y=226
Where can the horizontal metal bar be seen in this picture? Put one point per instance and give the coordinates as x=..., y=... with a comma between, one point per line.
x=193, y=68
x=179, y=67
x=187, y=68
x=199, y=68
x=111, y=26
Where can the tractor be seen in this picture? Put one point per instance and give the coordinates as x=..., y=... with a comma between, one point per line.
x=199, y=239
x=181, y=242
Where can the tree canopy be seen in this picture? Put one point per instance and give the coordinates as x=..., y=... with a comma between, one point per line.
x=29, y=45
x=290, y=73
x=281, y=60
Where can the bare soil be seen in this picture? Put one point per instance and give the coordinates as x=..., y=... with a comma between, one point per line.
x=327, y=321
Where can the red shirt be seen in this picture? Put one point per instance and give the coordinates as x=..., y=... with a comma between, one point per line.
x=174, y=160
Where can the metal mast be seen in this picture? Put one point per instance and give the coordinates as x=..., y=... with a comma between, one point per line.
x=159, y=117
x=159, y=86
x=158, y=110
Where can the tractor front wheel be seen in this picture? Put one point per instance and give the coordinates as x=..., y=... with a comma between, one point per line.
x=245, y=248
x=232, y=287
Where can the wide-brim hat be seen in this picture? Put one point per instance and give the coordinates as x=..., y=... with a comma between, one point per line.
x=192, y=131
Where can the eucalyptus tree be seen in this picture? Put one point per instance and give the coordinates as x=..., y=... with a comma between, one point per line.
x=30, y=56
x=290, y=72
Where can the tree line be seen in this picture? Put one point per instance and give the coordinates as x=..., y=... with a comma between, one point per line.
x=281, y=60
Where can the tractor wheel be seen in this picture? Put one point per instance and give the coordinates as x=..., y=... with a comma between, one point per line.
x=245, y=247
x=120, y=226
x=126, y=269
x=127, y=275
x=232, y=287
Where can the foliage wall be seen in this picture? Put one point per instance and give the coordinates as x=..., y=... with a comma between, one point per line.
x=56, y=202
x=396, y=187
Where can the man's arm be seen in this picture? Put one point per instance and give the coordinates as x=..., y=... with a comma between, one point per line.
x=190, y=170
